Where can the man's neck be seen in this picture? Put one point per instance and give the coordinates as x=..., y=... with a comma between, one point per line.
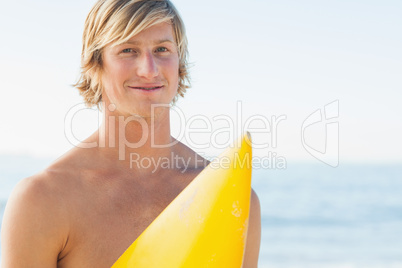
x=122, y=138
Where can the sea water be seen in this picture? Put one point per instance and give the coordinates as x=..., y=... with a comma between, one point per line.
x=319, y=216
x=312, y=215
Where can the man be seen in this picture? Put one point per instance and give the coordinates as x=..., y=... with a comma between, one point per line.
x=89, y=206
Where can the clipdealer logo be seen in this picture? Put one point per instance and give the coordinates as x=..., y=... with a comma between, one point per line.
x=320, y=126
x=328, y=120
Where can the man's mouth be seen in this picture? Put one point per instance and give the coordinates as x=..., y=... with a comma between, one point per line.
x=148, y=88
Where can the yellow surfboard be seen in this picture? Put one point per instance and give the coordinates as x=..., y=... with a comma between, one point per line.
x=206, y=224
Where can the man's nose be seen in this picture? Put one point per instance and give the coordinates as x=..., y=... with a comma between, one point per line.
x=147, y=66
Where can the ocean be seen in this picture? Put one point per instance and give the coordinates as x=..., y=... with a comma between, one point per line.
x=312, y=215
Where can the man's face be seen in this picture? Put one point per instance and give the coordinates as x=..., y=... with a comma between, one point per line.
x=141, y=72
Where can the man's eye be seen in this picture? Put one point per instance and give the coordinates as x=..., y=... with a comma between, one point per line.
x=161, y=49
x=127, y=50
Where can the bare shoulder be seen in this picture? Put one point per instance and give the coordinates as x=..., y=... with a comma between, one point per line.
x=35, y=227
x=33, y=224
x=255, y=211
x=254, y=233
x=190, y=158
x=254, y=201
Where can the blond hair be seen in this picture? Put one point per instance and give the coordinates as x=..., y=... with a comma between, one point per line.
x=116, y=21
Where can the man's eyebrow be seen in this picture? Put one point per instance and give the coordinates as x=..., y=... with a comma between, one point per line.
x=156, y=42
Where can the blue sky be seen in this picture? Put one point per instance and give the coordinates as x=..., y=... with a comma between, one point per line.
x=278, y=57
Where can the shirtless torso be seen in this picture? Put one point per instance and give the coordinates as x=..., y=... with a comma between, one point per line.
x=90, y=210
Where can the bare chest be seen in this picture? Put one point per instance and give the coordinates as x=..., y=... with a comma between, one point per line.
x=105, y=226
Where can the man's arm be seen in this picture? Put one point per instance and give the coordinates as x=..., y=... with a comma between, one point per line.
x=253, y=234
x=32, y=230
